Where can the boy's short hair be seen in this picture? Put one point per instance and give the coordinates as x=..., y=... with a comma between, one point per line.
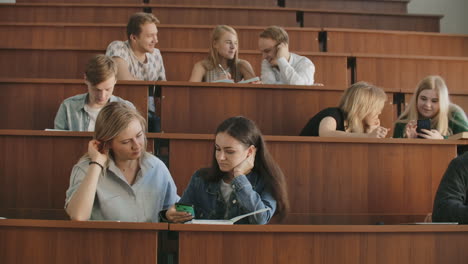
x=138, y=19
x=275, y=33
x=100, y=68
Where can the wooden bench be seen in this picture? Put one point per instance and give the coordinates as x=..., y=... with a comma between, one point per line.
x=370, y=20
x=213, y=15
x=99, y=242
x=331, y=69
x=98, y=36
x=405, y=72
x=278, y=110
x=339, y=180
x=395, y=42
x=405, y=244
x=330, y=180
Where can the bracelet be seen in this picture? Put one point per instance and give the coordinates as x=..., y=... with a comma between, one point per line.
x=97, y=163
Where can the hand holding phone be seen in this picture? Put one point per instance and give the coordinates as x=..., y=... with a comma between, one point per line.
x=188, y=208
x=181, y=215
x=422, y=124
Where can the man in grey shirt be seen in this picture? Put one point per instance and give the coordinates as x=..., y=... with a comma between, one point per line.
x=79, y=112
x=279, y=66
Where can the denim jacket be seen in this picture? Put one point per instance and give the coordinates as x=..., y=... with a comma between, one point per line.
x=249, y=194
x=72, y=115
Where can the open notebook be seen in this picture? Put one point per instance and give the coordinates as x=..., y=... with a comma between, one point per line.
x=225, y=222
x=254, y=79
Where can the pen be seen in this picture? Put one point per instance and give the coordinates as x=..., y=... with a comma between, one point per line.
x=225, y=73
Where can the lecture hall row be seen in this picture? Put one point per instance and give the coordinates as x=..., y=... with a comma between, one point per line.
x=330, y=180
x=218, y=14
x=96, y=36
x=21, y=98
x=41, y=242
x=392, y=6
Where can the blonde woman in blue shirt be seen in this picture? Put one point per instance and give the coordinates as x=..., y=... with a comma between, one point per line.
x=117, y=179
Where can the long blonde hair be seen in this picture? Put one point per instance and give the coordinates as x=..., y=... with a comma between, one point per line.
x=446, y=108
x=112, y=120
x=360, y=100
x=213, y=59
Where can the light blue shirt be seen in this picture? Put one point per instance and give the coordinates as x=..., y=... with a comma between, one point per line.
x=72, y=115
x=154, y=190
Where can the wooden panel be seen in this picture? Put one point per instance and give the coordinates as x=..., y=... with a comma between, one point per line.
x=98, y=36
x=370, y=6
x=33, y=104
x=342, y=181
x=59, y=36
x=394, y=42
x=35, y=171
x=198, y=37
x=339, y=244
x=330, y=69
x=69, y=242
x=315, y=18
x=277, y=111
x=404, y=73
x=68, y=13
x=215, y=15
x=167, y=14
x=84, y=1
x=32, y=63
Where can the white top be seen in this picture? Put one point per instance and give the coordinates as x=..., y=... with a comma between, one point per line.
x=226, y=190
x=92, y=113
x=298, y=71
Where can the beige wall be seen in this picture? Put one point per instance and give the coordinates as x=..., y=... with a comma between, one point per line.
x=455, y=13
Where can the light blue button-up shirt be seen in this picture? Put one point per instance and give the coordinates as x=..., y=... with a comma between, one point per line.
x=154, y=190
x=72, y=115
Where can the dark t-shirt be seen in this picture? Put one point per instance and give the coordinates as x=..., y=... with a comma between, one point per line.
x=312, y=127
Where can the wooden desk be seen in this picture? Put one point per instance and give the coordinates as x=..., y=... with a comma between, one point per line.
x=68, y=13
x=33, y=103
x=41, y=241
x=322, y=244
x=98, y=36
x=330, y=69
x=277, y=109
x=370, y=20
x=35, y=171
x=355, y=5
x=167, y=14
x=339, y=180
x=405, y=72
x=396, y=42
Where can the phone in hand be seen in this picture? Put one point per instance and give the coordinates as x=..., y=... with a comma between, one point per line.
x=181, y=207
x=423, y=124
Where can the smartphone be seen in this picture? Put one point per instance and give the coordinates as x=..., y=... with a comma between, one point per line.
x=180, y=207
x=423, y=124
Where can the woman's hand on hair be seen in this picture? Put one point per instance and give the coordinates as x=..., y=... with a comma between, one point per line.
x=246, y=165
x=97, y=151
x=379, y=132
x=177, y=217
x=430, y=134
x=410, y=129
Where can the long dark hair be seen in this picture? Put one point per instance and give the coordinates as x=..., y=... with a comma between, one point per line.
x=246, y=132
